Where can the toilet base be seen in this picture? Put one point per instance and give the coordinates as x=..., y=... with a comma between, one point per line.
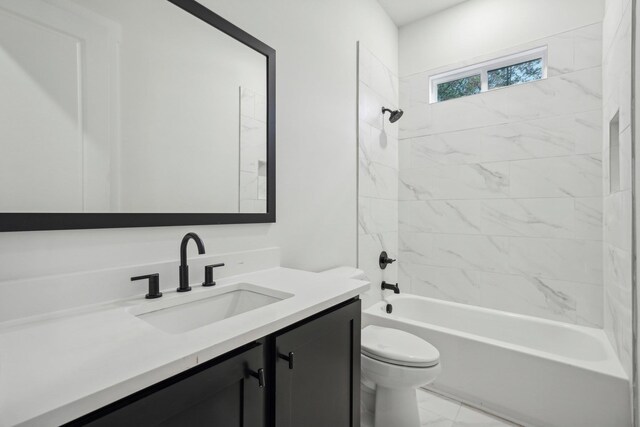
x=396, y=407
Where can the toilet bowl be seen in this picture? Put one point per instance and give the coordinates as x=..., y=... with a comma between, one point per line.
x=397, y=363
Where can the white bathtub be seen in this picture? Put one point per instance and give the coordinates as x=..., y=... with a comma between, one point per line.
x=532, y=371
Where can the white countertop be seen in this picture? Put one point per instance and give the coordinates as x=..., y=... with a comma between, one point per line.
x=55, y=368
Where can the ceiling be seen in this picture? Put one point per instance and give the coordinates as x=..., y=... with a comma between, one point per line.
x=405, y=11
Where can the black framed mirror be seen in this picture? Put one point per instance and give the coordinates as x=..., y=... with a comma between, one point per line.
x=133, y=114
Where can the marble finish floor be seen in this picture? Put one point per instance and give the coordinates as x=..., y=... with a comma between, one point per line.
x=439, y=411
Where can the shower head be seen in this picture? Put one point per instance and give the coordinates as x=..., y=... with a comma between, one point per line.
x=395, y=114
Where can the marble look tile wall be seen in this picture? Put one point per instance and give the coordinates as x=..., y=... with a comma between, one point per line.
x=617, y=203
x=377, y=171
x=500, y=194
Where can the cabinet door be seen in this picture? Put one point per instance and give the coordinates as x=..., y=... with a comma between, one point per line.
x=321, y=387
x=222, y=395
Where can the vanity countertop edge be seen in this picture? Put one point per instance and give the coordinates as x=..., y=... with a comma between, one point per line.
x=56, y=368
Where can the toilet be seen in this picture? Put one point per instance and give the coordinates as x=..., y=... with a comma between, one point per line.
x=397, y=363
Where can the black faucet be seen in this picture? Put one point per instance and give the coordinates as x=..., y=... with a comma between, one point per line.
x=395, y=288
x=184, y=268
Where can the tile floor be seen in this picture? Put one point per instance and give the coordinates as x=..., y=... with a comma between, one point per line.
x=439, y=411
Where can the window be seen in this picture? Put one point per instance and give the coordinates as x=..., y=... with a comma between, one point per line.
x=502, y=72
x=515, y=74
x=460, y=87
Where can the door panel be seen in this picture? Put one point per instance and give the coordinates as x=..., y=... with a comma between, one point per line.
x=223, y=395
x=323, y=386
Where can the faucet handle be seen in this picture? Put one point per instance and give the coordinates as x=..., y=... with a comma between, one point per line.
x=154, y=285
x=208, y=274
x=384, y=259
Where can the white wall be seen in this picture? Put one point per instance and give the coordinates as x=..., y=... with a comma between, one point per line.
x=479, y=27
x=316, y=150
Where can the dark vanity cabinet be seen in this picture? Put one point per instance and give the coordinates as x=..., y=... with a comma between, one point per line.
x=317, y=371
x=221, y=393
x=307, y=374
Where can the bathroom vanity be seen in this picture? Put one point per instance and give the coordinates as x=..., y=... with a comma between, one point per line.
x=172, y=111
x=279, y=347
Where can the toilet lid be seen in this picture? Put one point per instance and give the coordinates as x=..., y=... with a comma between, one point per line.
x=398, y=347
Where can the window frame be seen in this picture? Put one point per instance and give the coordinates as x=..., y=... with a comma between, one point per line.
x=483, y=68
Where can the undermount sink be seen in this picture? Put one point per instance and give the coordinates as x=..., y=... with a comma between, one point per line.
x=188, y=312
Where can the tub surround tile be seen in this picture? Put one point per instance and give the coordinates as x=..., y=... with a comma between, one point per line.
x=617, y=267
x=564, y=218
x=450, y=284
x=617, y=205
x=529, y=217
x=377, y=180
x=571, y=176
x=625, y=157
x=482, y=180
x=552, y=299
x=617, y=323
x=487, y=253
x=575, y=260
x=504, y=208
x=536, y=296
x=377, y=215
x=588, y=218
x=417, y=184
x=369, y=248
x=415, y=248
x=587, y=47
x=442, y=216
x=550, y=137
x=560, y=259
x=378, y=148
x=536, y=100
x=588, y=132
x=373, y=73
x=617, y=220
x=369, y=106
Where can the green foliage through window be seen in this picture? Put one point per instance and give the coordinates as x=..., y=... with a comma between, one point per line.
x=459, y=87
x=515, y=74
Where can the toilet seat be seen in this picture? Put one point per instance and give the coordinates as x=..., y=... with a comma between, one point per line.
x=398, y=347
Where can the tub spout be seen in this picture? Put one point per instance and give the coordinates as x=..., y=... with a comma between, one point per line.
x=395, y=288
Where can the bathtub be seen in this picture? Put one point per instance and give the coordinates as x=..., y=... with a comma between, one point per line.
x=531, y=371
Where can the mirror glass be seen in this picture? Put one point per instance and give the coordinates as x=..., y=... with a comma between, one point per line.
x=128, y=106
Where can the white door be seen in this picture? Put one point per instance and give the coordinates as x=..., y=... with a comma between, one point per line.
x=58, y=58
